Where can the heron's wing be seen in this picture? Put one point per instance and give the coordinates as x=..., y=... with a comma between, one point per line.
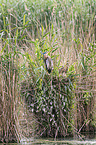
x=47, y=63
x=51, y=63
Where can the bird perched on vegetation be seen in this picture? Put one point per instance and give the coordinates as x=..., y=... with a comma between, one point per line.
x=48, y=62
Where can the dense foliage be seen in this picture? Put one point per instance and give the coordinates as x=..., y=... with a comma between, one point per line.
x=59, y=104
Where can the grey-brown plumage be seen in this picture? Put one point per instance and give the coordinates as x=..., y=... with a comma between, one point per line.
x=48, y=62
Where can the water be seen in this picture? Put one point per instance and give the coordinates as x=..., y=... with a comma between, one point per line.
x=48, y=142
x=90, y=140
x=67, y=141
x=61, y=142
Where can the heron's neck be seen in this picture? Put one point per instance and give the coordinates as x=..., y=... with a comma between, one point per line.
x=45, y=56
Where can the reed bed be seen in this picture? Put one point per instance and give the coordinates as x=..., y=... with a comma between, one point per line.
x=34, y=103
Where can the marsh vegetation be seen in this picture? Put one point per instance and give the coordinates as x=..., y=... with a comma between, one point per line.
x=32, y=102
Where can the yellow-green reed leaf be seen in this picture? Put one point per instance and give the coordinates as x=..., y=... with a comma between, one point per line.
x=53, y=36
x=28, y=57
x=24, y=20
x=16, y=36
x=4, y=47
x=2, y=8
x=52, y=28
x=26, y=23
x=13, y=28
x=42, y=31
x=46, y=34
x=16, y=33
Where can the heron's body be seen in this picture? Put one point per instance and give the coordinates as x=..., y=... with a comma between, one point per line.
x=48, y=63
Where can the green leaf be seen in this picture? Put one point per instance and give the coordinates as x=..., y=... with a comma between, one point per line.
x=4, y=47
x=23, y=20
x=46, y=34
x=55, y=49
